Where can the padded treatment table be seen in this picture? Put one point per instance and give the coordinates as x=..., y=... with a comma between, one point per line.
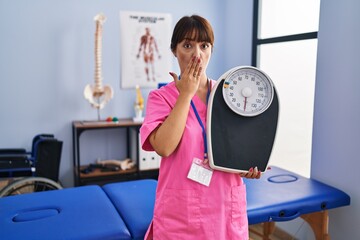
x=280, y=195
x=74, y=213
x=124, y=210
x=87, y=212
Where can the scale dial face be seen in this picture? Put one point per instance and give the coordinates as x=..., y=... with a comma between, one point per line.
x=248, y=91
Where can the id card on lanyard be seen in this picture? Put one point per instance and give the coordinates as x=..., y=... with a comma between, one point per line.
x=200, y=171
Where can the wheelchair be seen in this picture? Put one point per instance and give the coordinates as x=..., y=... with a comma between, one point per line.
x=26, y=172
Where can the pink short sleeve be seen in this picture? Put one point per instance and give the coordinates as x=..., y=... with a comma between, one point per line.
x=158, y=108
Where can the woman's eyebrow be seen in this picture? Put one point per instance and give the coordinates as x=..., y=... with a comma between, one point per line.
x=194, y=40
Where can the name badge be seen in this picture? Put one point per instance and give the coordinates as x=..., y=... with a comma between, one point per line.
x=200, y=172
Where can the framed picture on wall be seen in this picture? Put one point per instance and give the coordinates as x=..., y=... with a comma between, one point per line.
x=145, y=48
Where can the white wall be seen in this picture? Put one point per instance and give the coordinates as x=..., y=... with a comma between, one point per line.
x=336, y=131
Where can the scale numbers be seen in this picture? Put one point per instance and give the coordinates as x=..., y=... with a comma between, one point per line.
x=247, y=91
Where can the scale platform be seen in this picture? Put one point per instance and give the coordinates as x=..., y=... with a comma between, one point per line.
x=237, y=143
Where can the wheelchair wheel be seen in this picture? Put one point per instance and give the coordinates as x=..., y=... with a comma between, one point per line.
x=29, y=185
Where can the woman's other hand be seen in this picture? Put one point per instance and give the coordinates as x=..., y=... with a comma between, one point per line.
x=253, y=173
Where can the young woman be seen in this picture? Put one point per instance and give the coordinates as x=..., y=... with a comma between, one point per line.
x=190, y=206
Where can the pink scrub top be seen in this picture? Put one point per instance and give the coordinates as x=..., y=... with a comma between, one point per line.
x=185, y=209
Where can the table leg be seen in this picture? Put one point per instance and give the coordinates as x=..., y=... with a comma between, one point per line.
x=268, y=229
x=319, y=222
x=263, y=230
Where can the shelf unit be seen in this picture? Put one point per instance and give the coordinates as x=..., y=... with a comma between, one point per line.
x=97, y=176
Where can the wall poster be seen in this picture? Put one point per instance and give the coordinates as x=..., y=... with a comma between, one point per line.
x=146, y=58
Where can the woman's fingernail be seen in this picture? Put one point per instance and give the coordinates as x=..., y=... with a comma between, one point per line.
x=251, y=170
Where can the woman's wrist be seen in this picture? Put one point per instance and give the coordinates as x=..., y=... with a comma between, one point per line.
x=185, y=97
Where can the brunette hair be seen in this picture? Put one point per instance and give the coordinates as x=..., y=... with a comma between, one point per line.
x=194, y=28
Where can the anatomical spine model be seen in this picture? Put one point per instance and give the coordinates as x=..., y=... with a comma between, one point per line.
x=98, y=95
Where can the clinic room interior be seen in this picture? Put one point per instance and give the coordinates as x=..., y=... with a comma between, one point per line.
x=51, y=63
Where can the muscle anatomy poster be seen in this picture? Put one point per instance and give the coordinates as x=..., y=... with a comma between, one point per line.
x=145, y=48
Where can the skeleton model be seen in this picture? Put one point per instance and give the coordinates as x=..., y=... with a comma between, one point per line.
x=98, y=95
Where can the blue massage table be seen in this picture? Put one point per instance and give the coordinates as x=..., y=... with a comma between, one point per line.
x=115, y=211
x=280, y=195
x=124, y=210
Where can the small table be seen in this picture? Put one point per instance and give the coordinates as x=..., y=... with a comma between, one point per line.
x=78, y=127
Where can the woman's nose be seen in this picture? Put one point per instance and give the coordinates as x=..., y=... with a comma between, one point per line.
x=197, y=52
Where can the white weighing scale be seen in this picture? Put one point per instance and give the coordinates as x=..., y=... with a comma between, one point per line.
x=242, y=119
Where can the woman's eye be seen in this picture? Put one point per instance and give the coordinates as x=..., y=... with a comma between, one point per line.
x=205, y=45
x=187, y=45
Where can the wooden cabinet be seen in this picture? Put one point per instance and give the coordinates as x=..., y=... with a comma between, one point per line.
x=98, y=176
